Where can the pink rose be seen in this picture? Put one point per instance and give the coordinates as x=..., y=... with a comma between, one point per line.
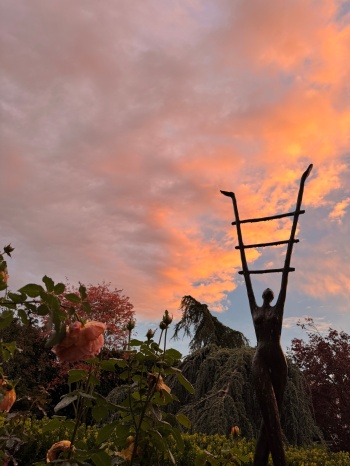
x=80, y=342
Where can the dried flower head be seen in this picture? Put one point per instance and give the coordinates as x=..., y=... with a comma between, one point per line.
x=127, y=452
x=235, y=431
x=7, y=396
x=57, y=449
x=156, y=381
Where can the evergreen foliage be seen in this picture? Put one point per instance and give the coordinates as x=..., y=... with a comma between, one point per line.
x=207, y=329
x=220, y=370
x=224, y=396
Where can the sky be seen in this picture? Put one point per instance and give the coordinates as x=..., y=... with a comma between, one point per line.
x=122, y=120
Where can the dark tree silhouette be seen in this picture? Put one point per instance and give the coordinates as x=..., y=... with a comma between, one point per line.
x=205, y=329
x=325, y=363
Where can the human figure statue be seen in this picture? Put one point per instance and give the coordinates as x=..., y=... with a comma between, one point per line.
x=269, y=370
x=269, y=367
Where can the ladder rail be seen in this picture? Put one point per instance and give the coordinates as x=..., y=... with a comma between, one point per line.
x=284, y=282
x=272, y=217
x=262, y=245
x=286, y=268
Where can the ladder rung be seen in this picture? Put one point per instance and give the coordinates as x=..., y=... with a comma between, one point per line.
x=290, y=269
x=261, y=245
x=273, y=217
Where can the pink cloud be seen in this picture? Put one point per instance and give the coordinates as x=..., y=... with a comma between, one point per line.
x=124, y=122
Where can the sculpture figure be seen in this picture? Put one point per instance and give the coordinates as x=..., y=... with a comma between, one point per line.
x=269, y=365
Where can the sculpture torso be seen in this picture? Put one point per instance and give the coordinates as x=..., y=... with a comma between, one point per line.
x=268, y=327
x=267, y=324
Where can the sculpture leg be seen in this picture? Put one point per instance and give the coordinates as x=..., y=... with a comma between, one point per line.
x=270, y=438
x=262, y=450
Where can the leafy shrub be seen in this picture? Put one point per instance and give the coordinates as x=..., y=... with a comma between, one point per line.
x=199, y=449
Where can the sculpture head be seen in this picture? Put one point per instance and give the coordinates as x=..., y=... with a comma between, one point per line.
x=268, y=296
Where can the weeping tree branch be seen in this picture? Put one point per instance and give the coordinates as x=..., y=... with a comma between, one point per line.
x=204, y=329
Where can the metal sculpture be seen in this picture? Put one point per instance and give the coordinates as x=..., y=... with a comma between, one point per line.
x=269, y=365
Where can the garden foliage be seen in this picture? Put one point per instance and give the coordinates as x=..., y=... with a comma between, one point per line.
x=325, y=363
x=138, y=423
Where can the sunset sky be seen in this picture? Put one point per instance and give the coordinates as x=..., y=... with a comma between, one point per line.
x=121, y=121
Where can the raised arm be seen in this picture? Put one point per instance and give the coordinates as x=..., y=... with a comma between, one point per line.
x=248, y=283
x=284, y=282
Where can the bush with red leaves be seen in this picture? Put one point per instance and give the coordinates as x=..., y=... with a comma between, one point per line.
x=325, y=362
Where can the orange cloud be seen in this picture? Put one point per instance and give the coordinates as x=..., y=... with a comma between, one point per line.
x=124, y=135
x=339, y=210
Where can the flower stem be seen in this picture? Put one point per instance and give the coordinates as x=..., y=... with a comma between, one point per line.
x=80, y=412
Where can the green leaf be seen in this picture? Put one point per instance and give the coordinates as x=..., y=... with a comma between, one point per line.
x=205, y=457
x=108, y=364
x=16, y=298
x=49, y=283
x=7, y=350
x=136, y=396
x=53, y=424
x=82, y=292
x=8, y=304
x=32, y=290
x=99, y=413
x=183, y=420
x=59, y=288
x=42, y=310
x=3, y=265
x=178, y=439
x=157, y=441
x=5, y=318
x=121, y=363
x=184, y=382
x=105, y=432
x=72, y=298
x=173, y=353
x=3, y=285
x=66, y=401
x=86, y=307
x=51, y=300
x=23, y=316
x=101, y=458
x=135, y=342
x=75, y=375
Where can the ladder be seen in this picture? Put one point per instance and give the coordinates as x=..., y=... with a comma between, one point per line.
x=241, y=246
